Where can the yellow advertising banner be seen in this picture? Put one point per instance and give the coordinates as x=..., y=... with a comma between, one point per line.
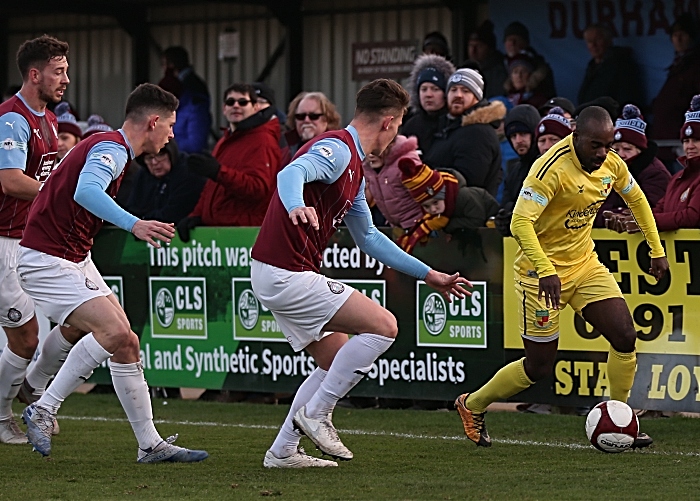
x=666, y=314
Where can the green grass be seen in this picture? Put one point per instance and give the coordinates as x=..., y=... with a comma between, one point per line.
x=427, y=458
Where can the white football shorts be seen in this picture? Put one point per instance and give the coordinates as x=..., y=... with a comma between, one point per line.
x=56, y=285
x=301, y=302
x=16, y=307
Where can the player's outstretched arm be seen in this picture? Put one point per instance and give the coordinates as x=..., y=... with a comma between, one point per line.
x=448, y=285
x=153, y=231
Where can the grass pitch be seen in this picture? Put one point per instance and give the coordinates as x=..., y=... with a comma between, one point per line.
x=399, y=454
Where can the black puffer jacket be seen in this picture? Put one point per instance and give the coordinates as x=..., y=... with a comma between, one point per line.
x=469, y=144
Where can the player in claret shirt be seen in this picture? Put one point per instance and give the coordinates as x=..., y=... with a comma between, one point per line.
x=28, y=146
x=56, y=270
x=322, y=186
x=556, y=265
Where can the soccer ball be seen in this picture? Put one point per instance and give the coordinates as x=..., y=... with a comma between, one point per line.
x=612, y=426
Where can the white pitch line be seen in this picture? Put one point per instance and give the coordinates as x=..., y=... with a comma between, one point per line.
x=410, y=436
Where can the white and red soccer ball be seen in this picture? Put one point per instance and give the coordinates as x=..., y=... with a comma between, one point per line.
x=612, y=426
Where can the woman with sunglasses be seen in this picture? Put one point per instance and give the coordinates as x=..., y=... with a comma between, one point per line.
x=310, y=114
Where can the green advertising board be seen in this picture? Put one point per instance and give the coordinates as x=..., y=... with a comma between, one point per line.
x=201, y=325
x=460, y=323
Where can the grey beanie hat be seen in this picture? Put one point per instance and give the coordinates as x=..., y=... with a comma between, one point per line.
x=471, y=79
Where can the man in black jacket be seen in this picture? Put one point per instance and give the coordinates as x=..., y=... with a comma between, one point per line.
x=165, y=190
x=467, y=141
x=520, y=127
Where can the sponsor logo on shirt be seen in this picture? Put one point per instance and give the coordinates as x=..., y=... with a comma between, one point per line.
x=529, y=194
x=105, y=159
x=11, y=124
x=324, y=150
x=579, y=218
x=10, y=144
x=629, y=186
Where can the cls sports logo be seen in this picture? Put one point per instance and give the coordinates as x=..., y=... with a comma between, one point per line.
x=542, y=319
x=165, y=307
x=434, y=314
x=248, y=309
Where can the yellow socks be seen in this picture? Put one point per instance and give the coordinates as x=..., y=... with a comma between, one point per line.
x=621, y=367
x=508, y=381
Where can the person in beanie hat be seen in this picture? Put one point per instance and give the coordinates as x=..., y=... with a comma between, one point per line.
x=682, y=82
x=428, y=100
x=520, y=126
x=436, y=43
x=466, y=140
x=482, y=50
x=553, y=127
x=95, y=124
x=680, y=205
x=639, y=153
x=449, y=204
x=560, y=102
x=69, y=133
x=516, y=40
x=523, y=83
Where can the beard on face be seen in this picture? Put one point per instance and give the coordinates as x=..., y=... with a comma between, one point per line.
x=307, y=132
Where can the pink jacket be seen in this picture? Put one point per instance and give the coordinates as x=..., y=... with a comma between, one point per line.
x=392, y=197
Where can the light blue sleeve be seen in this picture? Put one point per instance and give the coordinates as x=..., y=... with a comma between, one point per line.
x=376, y=244
x=14, y=134
x=105, y=162
x=325, y=161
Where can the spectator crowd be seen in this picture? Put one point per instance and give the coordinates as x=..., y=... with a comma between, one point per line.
x=468, y=141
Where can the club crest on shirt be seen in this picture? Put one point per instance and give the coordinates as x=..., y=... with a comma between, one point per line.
x=607, y=185
x=684, y=195
x=542, y=319
x=335, y=287
x=14, y=315
x=90, y=284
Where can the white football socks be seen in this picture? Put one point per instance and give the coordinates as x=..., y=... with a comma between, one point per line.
x=288, y=438
x=84, y=358
x=132, y=390
x=352, y=362
x=53, y=354
x=12, y=371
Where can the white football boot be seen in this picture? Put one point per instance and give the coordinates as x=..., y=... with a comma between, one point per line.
x=323, y=434
x=300, y=459
x=10, y=432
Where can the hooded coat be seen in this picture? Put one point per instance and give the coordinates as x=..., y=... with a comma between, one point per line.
x=472, y=207
x=250, y=159
x=170, y=198
x=519, y=168
x=392, y=197
x=651, y=175
x=469, y=144
x=424, y=125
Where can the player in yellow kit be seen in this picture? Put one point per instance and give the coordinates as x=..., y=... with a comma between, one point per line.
x=556, y=265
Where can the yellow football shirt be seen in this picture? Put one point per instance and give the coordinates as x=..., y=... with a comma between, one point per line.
x=554, y=213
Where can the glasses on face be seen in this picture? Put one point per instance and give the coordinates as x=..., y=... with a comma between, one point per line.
x=149, y=159
x=242, y=102
x=312, y=116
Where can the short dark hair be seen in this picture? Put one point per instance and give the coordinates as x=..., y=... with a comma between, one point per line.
x=39, y=52
x=177, y=56
x=242, y=88
x=592, y=117
x=147, y=98
x=380, y=97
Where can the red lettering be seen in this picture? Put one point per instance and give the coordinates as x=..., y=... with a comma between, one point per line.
x=606, y=15
x=575, y=23
x=657, y=18
x=557, y=20
x=632, y=16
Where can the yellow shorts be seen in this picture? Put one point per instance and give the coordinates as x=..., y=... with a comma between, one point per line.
x=592, y=283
